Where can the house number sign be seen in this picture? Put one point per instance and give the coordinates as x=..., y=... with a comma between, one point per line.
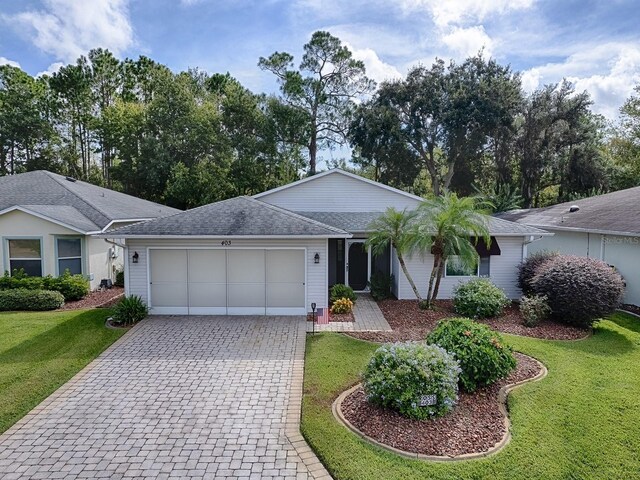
x=225, y=243
x=428, y=400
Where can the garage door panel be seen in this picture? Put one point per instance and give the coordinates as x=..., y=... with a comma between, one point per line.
x=284, y=266
x=207, y=266
x=246, y=295
x=245, y=266
x=207, y=295
x=285, y=295
x=167, y=294
x=168, y=266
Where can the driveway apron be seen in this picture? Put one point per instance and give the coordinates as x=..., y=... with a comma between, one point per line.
x=177, y=397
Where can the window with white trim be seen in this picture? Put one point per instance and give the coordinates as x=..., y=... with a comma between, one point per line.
x=69, y=255
x=456, y=268
x=25, y=254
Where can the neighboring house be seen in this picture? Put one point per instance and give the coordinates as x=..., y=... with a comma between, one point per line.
x=47, y=223
x=606, y=227
x=280, y=251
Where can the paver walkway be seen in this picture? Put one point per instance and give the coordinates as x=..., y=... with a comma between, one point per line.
x=177, y=397
x=367, y=315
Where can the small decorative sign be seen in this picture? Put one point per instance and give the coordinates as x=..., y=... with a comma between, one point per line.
x=428, y=400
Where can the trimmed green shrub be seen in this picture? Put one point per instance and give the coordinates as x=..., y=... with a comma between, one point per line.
x=399, y=375
x=534, y=309
x=17, y=299
x=380, y=285
x=130, y=310
x=119, y=279
x=528, y=269
x=483, y=355
x=340, y=290
x=341, y=306
x=579, y=290
x=479, y=298
x=73, y=287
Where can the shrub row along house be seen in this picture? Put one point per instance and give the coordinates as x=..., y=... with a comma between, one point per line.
x=280, y=251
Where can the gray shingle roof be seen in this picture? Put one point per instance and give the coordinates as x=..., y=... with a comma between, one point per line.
x=357, y=222
x=98, y=205
x=64, y=214
x=240, y=216
x=616, y=212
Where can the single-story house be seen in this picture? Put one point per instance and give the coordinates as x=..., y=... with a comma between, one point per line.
x=606, y=227
x=48, y=223
x=280, y=251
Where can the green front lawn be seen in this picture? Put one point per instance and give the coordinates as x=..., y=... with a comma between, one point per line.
x=581, y=422
x=39, y=351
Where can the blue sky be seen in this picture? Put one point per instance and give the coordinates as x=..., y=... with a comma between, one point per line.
x=595, y=44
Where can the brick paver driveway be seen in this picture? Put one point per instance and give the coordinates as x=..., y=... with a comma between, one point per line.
x=181, y=397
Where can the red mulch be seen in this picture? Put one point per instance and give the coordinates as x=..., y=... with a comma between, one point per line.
x=99, y=298
x=409, y=322
x=475, y=424
x=335, y=317
x=631, y=308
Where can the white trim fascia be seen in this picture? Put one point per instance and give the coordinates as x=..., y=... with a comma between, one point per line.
x=48, y=219
x=222, y=237
x=342, y=172
x=586, y=230
x=135, y=220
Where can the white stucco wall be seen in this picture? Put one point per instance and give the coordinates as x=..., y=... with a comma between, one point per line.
x=338, y=193
x=503, y=272
x=137, y=280
x=623, y=252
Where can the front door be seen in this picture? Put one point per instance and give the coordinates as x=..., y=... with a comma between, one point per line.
x=357, y=266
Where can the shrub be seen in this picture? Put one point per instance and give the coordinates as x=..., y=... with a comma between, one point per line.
x=340, y=290
x=483, y=355
x=400, y=374
x=579, y=290
x=130, y=310
x=534, y=309
x=528, y=269
x=342, y=305
x=479, y=298
x=381, y=285
x=119, y=279
x=19, y=279
x=17, y=299
x=73, y=287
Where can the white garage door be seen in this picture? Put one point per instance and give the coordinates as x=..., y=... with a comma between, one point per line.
x=233, y=282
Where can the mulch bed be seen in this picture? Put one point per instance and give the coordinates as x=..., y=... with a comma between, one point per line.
x=475, y=425
x=97, y=299
x=631, y=308
x=409, y=322
x=335, y=317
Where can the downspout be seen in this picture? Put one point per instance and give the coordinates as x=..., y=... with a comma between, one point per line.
x=532, y=239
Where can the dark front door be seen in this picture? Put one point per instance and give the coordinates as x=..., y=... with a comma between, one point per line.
x=358, y=266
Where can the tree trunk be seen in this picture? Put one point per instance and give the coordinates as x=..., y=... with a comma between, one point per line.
x=439, y=273
x=406, y=274
x=313, y=151
x=432, y=277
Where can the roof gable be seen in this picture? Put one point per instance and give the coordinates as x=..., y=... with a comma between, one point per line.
x=338, y=191
x=99, y=206
x=236, y=217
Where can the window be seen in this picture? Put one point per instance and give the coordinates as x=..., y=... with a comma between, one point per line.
x=455, y=268
x=69, y=255
x=25, y=253
x=484, y=270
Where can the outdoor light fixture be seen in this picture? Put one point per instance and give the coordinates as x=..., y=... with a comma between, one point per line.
x=313, y=317
x=316, y=258
x=135, y=257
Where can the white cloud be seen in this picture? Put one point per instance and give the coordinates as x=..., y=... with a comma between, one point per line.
x=465, y=42
x=6, y=61
x=376, y=68
x=448, y=12
x=607, y=71
x=69, y=28
x=51, y=69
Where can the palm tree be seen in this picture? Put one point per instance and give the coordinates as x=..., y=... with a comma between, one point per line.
x=446, y=226
x=395, y=228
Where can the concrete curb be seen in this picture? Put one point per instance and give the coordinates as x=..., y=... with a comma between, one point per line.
x=502, y=404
